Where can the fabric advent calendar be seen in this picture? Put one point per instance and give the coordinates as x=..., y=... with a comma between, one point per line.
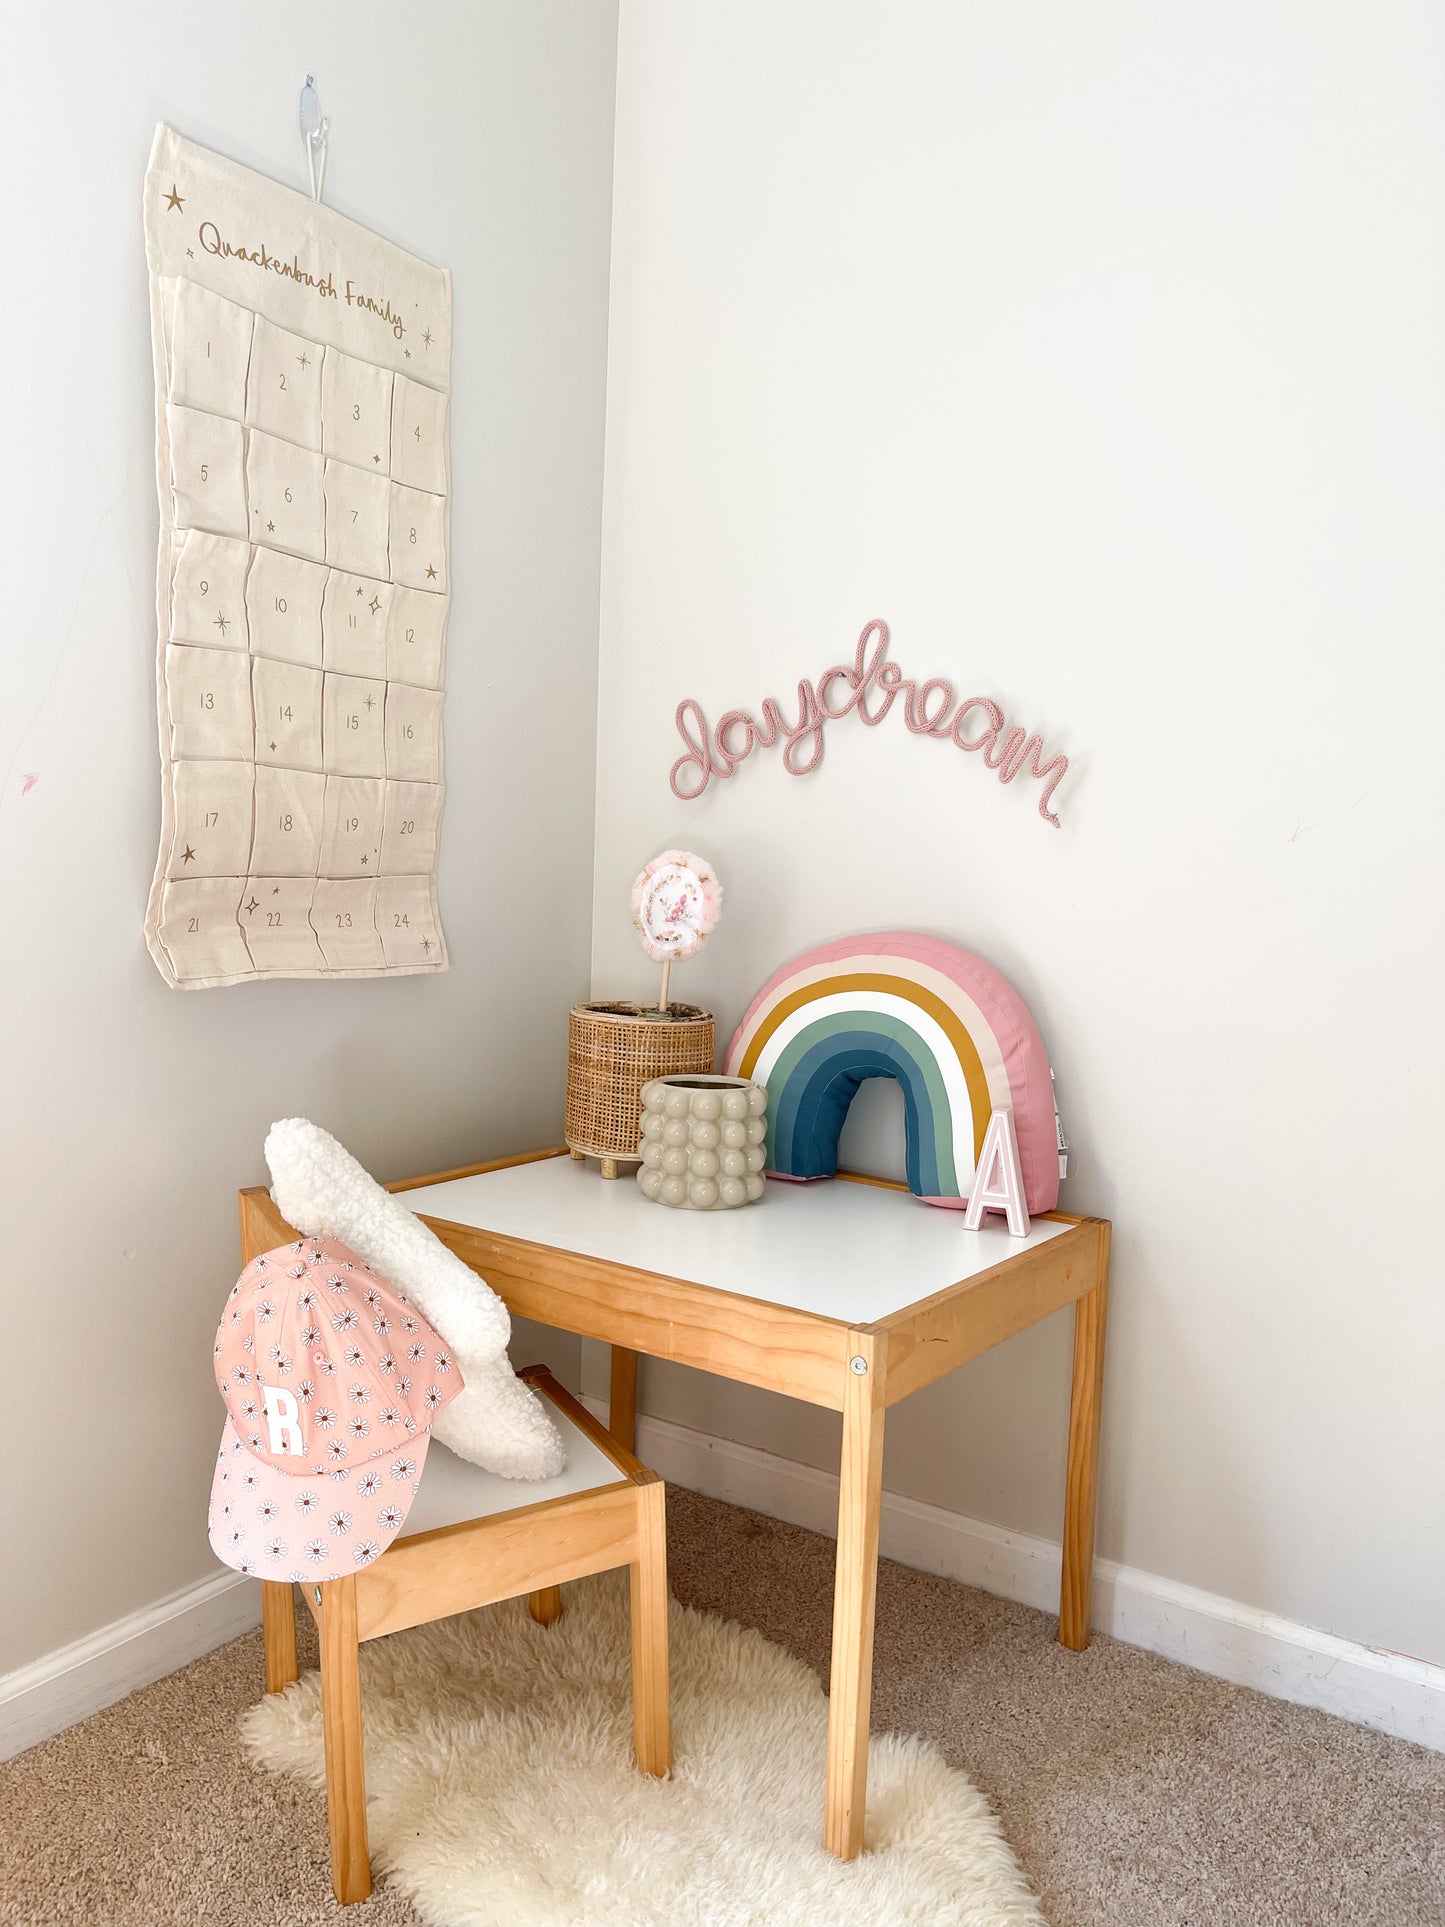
x=302, y=373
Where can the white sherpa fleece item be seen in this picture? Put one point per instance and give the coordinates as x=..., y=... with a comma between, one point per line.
x=496, y=1421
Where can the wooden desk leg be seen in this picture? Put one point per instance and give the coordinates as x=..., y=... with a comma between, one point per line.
x=1081, y=1488
x=341, y=1730
x=545, y=1605
x=622, y=1400
x=855, y=1585
x=278, y=1631
x=651, y=1727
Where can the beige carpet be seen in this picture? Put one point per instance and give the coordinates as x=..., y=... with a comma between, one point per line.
x=1135, y=1793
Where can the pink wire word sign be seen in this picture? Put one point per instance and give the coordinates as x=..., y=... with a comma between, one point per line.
x=928, y=709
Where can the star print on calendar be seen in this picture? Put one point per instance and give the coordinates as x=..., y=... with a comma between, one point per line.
x=302, y=370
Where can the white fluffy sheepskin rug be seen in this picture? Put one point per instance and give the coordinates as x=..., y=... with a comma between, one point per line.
x=502, y=1793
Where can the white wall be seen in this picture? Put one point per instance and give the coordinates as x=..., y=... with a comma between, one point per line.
x=1099, y=350
x=479, y=136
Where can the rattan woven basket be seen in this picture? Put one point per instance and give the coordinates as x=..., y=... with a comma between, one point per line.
x=612, y=1051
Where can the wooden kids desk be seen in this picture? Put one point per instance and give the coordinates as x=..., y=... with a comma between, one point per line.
x=849, y=1295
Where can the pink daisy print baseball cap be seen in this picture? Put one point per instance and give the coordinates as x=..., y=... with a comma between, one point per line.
x=331, y=1380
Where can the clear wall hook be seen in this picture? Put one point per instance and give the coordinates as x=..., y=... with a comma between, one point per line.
x=314, y=129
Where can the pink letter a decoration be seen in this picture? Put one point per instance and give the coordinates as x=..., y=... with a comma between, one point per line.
x=998, y=1183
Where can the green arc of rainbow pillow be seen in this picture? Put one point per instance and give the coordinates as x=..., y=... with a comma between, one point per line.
x=949, y=1028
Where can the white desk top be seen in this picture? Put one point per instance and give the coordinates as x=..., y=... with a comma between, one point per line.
x=854, y=1252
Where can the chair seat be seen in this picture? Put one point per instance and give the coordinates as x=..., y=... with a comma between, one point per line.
x=453, y=1490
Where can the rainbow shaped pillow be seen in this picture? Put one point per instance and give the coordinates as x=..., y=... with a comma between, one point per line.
x=953, y=1032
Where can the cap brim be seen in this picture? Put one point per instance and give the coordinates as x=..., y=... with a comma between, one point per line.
x=281, y=1525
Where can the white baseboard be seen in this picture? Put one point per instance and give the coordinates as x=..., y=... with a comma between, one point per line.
x=1214, y=1635
x=80, y=1679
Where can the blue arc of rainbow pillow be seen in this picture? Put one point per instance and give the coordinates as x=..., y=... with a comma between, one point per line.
x=955, y=1035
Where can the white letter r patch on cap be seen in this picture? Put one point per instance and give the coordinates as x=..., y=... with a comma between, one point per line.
x=283, y=1416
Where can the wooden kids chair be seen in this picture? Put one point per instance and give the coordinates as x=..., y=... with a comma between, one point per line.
x=472, y=1539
